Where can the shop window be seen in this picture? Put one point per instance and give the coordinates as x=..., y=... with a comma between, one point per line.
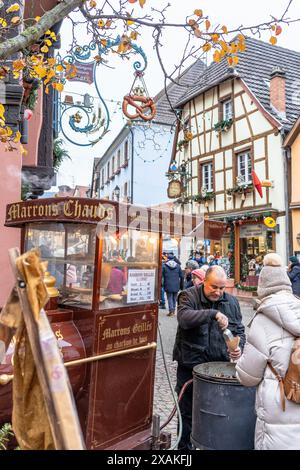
x=129, y=270
x=244, y=167
x=207, y=177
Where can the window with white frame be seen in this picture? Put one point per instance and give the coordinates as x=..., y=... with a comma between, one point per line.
x=227, y=110
x=244, y=167
x=207, y=176
x=108, y=170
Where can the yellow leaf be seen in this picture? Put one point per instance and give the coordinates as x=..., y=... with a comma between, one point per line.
x=53, y=36
x=273, y=40
x=13, y=7
x=37, y=18
x=206, y=47
x=224, y=29
x=207, y=24
x=15, y=19
x=234, y=48
x=198, y=13
x=3, y=22
x=130, y=22
x=103, y=42
x=235, y=60
x=22, y=150
x=59, y=68
x=40, y=71
x=93, y=3
x=242, y=46
x=100, y=24
x=224, y=46
x=133, y=35
x=230, y=61
x=48, y=32
x=17, y=137
x=142, y=3
x=58, y=86
x=217, y=56
x=48, y=42
x=44, y=49
x=215, y=37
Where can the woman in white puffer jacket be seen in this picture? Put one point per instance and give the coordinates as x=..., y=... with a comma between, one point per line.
x=272, y=334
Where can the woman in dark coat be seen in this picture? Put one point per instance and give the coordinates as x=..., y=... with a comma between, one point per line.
x=294, y=275
x=172, y=278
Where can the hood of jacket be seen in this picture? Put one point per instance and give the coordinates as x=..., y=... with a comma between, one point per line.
x=284, y=309
x=171, y=264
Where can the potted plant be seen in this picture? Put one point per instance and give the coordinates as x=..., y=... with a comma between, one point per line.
x=59, y=154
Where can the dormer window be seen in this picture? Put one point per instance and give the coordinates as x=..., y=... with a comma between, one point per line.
x=227, y=110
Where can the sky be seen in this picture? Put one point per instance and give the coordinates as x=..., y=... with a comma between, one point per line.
x=116, y=81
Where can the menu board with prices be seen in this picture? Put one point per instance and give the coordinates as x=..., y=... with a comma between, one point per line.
x=141, y=285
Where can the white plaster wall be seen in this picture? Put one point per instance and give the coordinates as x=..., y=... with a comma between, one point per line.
x=214, y=141
x=227, y=137
x=276, y=172
x=228, y=158
x=237, y=86
x=238, y=107
x=219, y=182
x=219, y=161
x=242, y=130
x=225, y=88
x=249, y=104
x=220, y=204
x=209, y=99
x=259, y=123
x=229, y=179
x=259, y=148
x=195, y=167
x=195, y=186
x=208, y=121
x=195, y=147
x=199, y=104
x=200, y=121
x=201, y=140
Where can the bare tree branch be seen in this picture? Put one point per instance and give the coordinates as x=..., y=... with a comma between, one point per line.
x=33, y=33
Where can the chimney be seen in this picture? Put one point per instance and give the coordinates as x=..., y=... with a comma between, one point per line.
x=277, y=89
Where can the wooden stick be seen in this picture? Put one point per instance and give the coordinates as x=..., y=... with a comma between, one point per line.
x=33, y=334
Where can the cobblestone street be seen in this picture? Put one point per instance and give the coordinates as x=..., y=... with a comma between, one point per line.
x=163, y=401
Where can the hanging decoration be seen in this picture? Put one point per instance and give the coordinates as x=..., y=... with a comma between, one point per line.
x=257, y=183
x=91, y=117
x=143, y=107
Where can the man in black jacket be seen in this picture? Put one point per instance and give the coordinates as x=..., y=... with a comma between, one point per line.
x=203, y=312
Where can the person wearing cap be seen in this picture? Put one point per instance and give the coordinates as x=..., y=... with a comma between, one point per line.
x=190, y=266
x=198, y=277
x=270, y=340
x=294, y=274
x=203, y=312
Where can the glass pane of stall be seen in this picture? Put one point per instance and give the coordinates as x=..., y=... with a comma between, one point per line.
x=70, y=252
x=129, y=272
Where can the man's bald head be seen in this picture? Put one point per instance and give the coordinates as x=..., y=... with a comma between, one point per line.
x=215, y=271
x=215, y=283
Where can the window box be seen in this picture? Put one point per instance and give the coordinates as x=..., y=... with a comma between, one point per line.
x=240, y=189
x=209, y=196
x=223, y=126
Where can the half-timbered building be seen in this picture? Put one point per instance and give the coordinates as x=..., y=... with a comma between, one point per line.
x=238, y=119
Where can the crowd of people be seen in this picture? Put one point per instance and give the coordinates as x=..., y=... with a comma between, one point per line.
x=205, y=310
